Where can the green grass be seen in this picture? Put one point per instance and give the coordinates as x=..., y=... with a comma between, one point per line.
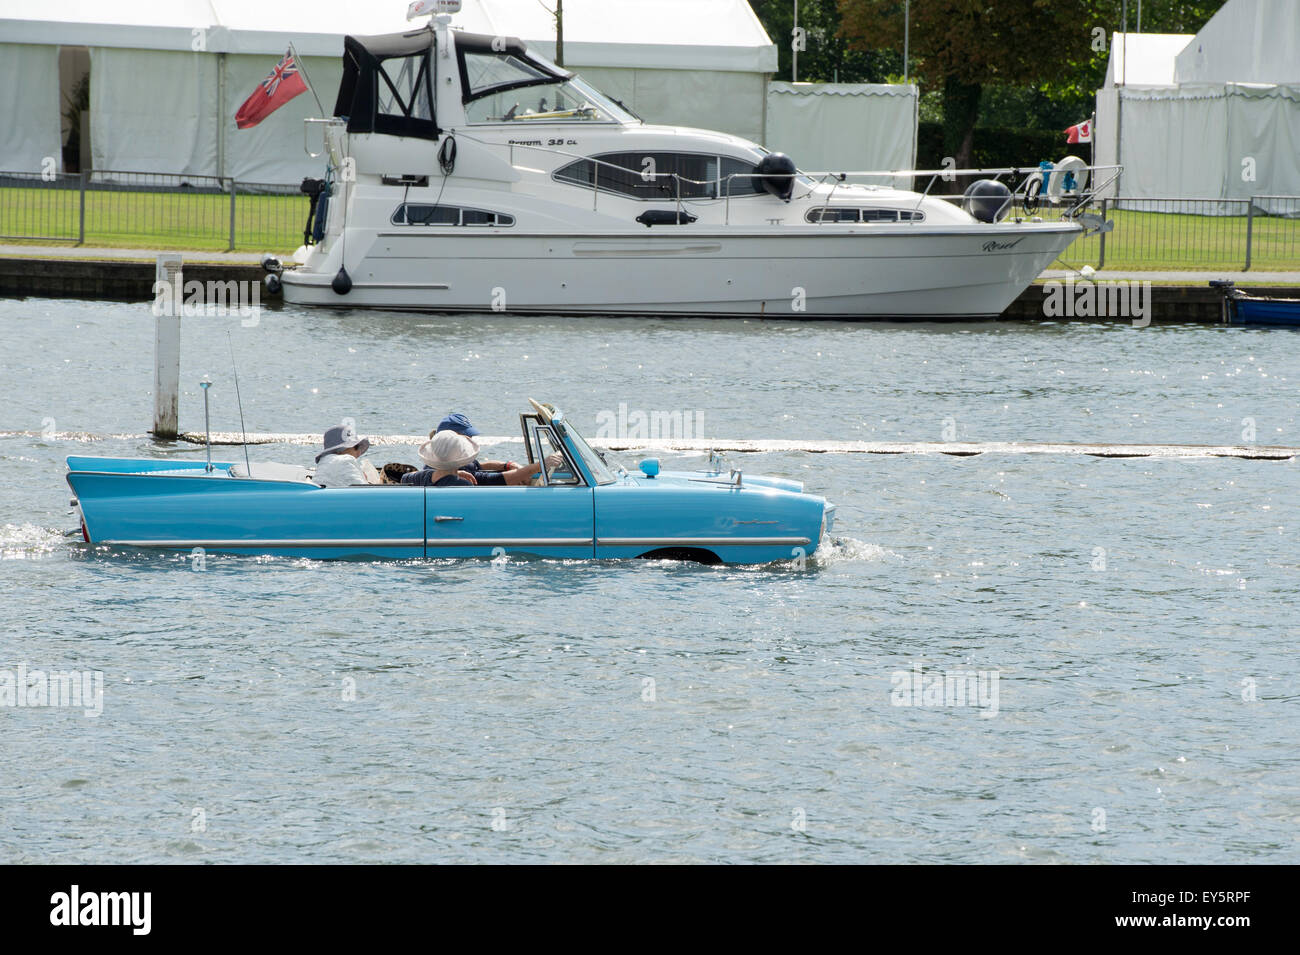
x=197, y=221
x=1155, y=240
x=201, y=222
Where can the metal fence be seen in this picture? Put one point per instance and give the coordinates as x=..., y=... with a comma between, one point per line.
x=1262, y=233
x=115, y=208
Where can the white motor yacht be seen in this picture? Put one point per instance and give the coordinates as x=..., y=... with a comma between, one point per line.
x=468, y=173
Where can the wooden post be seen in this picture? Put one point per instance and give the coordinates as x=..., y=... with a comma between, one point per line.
x=559, y=32
x=168, y=294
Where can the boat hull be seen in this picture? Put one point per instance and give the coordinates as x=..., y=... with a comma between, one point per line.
x=1264, y=311
x=891, y=272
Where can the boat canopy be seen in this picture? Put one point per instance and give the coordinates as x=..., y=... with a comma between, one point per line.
x=387, y=82
x=387, y=85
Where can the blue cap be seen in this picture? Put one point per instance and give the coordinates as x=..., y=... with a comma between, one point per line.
x=459, y=423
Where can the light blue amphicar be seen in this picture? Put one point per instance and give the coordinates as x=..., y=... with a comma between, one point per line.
x=584, y=507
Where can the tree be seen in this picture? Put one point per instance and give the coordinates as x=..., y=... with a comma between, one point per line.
x=964, y=45
x=826, y=55
x=1158, y=16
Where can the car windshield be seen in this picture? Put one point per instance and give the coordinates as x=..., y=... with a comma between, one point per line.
x=594, y=459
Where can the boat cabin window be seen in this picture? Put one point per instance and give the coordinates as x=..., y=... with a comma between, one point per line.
x=547, y=102
x=423, y=213
x=502, y=82
x=740, y=177
x=486, y=72
x=841, y=214
x=658, y=175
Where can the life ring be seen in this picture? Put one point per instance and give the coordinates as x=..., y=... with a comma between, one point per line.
x=1071, y=168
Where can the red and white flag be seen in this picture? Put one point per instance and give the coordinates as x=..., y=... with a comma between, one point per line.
x=1081, y=133
x=283, y=84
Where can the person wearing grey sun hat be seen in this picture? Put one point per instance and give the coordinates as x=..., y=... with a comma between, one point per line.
x=340, y=464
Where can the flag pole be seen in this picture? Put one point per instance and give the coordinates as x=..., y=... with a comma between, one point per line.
x=306, y=79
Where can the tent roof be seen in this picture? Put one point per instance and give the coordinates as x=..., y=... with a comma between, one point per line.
x=1247, y=41
x=1150, y=58
x=650, y=34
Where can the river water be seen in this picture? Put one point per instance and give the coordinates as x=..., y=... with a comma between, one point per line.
x=1127, y=627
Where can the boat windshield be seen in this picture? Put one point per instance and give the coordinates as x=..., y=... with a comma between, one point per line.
x=594, y=460
x=502, y=87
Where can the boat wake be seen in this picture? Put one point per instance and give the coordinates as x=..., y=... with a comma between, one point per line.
x=841, y=550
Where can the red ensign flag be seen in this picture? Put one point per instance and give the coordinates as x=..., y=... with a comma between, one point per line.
x=284, y=83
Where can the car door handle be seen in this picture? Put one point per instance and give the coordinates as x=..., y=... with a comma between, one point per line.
x=447, y=517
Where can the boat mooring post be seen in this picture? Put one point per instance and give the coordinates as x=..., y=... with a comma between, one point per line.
x=168, y=287
x=205, y=384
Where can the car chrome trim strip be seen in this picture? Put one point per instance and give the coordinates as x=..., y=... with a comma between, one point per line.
x=506, y=542
x=283, y=542
x=710, y=541
x=356, y=542
x=474, y=542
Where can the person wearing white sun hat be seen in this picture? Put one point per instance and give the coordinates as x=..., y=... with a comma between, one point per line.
x=472, y=471
x=444, y=455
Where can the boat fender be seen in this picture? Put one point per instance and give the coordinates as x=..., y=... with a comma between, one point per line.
x=665, y=217
x=342, y=283
x=987, y=200
x=447, y=155
x=322, y=213
x=777, y=171
x=272, y=282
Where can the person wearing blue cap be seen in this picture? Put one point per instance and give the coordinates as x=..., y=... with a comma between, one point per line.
x=488, y=473
x=485, y=473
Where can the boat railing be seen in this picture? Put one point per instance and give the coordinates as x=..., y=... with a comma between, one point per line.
x=329, y=143
x=1034, y=182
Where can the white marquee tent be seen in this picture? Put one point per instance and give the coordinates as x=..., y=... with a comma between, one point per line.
x=844, y=127
x=163, y=71
x=1215, y=115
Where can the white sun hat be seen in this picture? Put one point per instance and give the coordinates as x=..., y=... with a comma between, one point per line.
x=448, y=451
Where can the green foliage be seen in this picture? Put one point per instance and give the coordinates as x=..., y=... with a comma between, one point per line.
x=76, y=102
x=827, y=55
x=995, y=147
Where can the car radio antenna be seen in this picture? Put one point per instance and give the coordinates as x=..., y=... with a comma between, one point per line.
x=243, y=433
